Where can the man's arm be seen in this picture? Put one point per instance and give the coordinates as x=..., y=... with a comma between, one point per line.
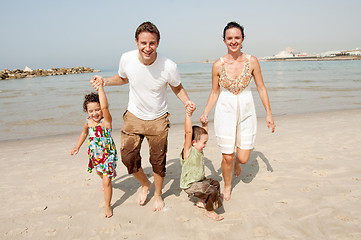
x=116, y=80
x=181, y=93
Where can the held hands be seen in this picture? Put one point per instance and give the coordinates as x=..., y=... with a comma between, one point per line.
x=204, y=119
x=190, y=107
x=96, y=82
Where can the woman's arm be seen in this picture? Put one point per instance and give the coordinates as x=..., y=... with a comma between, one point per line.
x=262, y=91
x=213, y=96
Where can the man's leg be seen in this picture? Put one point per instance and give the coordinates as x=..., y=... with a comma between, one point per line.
x=146, y=184
x=158, y=199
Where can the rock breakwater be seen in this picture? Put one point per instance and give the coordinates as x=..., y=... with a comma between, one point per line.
x=27, y=72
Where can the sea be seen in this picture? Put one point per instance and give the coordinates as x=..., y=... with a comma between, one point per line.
x=51, y=106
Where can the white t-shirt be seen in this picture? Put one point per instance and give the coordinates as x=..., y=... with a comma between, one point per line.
x=148, y=84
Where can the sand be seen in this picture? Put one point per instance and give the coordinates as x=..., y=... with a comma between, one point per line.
x=302, y=182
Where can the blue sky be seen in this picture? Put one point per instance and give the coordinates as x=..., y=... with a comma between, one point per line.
x=45, y=34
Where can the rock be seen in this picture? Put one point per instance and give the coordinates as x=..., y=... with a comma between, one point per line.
x=27, y=72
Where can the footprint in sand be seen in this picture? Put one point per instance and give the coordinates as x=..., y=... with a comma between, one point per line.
x=320, y=173
x=310, y=187
x=260, y=232
x=183, y=219
x=64, y=218
x=39, y=209
x=345, y=218
x=50, y=232
x=17, y=231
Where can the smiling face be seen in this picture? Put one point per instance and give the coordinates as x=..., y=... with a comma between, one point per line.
x=147, y=43
x=201, y=143
x=94, y=111
x=233, y=39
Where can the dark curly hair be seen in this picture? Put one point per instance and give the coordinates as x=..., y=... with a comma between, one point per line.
x=198, y=132
x=232, y=25
x=91, y=97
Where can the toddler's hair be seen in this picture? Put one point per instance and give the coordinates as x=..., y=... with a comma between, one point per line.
x=198, y=132
x=91, y=97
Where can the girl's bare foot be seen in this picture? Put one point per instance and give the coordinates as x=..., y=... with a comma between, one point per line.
x=158, y=203
x=237, y=168
x=143, y=193
x=227, y=193
x=108, y=212
x=213, y=215
x=200, y=204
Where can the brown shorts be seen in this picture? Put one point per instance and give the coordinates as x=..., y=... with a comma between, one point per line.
x=133, y=132
x=208, y=191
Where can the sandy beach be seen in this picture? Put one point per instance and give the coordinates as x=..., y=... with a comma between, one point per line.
x=302, y=182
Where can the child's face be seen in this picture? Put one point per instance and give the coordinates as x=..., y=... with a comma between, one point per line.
x=201, y=143
x=94, y=111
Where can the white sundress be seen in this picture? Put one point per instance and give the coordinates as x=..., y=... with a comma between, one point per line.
x=235, y=120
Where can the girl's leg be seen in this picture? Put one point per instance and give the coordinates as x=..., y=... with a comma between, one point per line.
x=108, y=192
x=242, y=158
x=227, y=168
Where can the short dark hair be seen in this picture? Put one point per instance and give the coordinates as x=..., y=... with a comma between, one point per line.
x=197, y=132
x=233, y=25
x=147, y=27
x=91, y=97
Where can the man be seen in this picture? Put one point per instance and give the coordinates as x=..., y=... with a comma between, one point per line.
x=148, y=74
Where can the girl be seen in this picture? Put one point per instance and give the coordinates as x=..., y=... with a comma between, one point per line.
x=102, y=151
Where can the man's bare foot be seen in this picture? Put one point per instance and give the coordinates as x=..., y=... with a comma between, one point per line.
x=158, y=203
x=200, y=204
x=237, y=168
x=108, y=211
x=213, y=215
x=227, y=193
x=143, y=193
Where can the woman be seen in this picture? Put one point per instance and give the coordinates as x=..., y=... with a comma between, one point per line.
x=235, y=121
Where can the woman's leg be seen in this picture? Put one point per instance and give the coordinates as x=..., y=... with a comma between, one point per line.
x=242, y=158
x=227, y=168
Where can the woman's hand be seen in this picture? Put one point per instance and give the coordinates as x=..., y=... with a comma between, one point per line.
x=270, y=123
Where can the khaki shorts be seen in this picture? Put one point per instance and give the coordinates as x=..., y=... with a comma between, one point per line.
x=133, y=132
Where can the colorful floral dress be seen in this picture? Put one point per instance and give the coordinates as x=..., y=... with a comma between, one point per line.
x=235, y=121
x=102, y=151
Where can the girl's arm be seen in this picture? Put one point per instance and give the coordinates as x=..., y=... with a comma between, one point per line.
x=81, y=140
x=104, y=106
x=262, y=91
x=213, y=96
x=188, y=136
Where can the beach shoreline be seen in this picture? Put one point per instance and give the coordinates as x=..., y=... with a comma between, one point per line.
x=302, y=182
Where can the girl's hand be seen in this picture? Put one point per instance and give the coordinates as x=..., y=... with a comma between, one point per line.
x=74, y=151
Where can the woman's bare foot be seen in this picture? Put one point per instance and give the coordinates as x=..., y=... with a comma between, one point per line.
x=213, y=215
x=237, y=168
x=143, y=193
x=227, y=193
x=200, y=204
x=158, y=203
x=108, y=211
